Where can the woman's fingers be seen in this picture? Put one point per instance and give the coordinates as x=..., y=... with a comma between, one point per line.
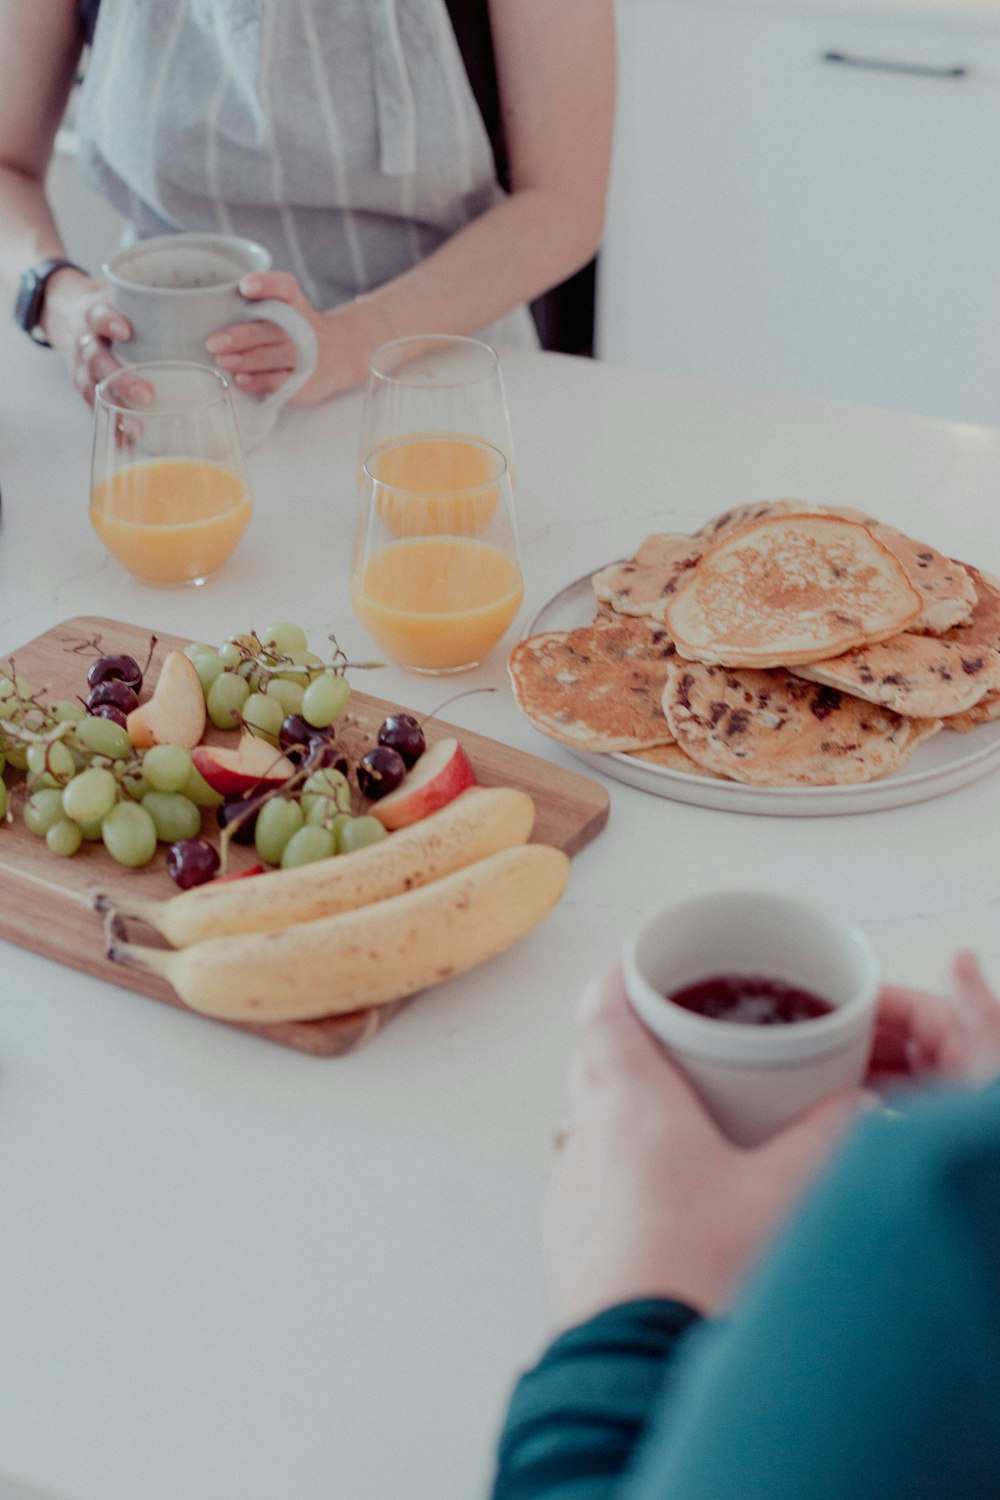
x=107, y=323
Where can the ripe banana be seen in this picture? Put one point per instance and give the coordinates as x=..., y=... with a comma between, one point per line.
x=364, y=958
x=476, y=823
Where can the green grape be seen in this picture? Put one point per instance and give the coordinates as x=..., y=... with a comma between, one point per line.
x=129, y=834
x=325, y=699
x=3, y=762
x=90, y=796
x=315, y=665
x=17, y=758
x=209, y=667
x=3, y=802
x=7, y=689
x=51, y=759
x=330, y=786
x=166, y=767
x=277, y=820
x=42, y=809
x=358, y=833
x=230, y=654
x=64, y=838
x=307, y=845
x=284, y=639
x=198, y=648
x=135, y=785
x=175, y=817
x=289, y=694
x=263, y=716
x=37, y=781
x=67, y=711
x=91, y=832
x=197, y=790
x=225, y=699
x=103, y=737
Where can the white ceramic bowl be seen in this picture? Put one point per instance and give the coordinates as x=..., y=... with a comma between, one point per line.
x=755, y=1079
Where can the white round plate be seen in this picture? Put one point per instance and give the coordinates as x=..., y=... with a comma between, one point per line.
x=941, y=764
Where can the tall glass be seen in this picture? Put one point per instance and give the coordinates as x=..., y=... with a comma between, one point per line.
x=436, y=386
x=168, y=493
x=436, y=574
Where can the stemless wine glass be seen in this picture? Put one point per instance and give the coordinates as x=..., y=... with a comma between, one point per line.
x=436, y=574
x=168, y=494
x=435, y=385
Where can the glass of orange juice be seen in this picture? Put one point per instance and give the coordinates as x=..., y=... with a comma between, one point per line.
x=436, y=574
x=439, y=385
x=168, y=493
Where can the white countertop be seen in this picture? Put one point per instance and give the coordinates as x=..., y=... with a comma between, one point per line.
x=234, y=1272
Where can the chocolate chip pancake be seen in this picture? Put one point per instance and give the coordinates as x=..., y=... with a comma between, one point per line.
x=770, y=728
x=919, y=675
x=673, y=758
x=946, y=588
x=641, y=585
x=979, y=634
x=789, y=589
x=597, y=688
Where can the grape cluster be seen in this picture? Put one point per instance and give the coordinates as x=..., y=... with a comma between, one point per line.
x=84, y=779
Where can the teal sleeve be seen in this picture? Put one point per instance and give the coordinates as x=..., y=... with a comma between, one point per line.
x=574, y=1420
x=862, y=1361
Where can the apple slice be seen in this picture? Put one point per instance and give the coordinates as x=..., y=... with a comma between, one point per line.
x=440, y=774
x=233, y=770
x=175, y=714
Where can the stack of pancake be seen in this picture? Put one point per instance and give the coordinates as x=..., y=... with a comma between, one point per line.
x=780, y=645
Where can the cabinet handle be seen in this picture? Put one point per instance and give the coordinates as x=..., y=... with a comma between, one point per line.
x=887, y=65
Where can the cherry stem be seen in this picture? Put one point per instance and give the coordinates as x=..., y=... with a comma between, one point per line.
x=469, y=692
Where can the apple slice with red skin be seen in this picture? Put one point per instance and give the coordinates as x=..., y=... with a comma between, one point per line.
x=175, y=714
x=442, y=772
x=240, y=874
x=251, y=763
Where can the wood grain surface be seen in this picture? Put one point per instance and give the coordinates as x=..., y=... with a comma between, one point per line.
x=46, y=902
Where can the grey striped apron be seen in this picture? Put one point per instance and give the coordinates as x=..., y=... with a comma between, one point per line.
x=341, y=134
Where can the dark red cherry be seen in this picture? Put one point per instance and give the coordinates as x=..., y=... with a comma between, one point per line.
x=113, y=691
x=115, y=668
x=322, y=752
x=241, y=811
x=108, y=711
x=191, y=862
x=379, y=772
x=402, y=732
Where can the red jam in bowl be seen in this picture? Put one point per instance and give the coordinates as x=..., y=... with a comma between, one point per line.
x=750, y=1000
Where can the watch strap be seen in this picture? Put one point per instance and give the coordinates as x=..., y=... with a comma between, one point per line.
x=31, y=296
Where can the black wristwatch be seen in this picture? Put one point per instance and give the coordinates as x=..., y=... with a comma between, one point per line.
x=31, y=296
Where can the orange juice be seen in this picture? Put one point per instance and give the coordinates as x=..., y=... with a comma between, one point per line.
x=435, y=483
x=437, y=603
x=171, y=520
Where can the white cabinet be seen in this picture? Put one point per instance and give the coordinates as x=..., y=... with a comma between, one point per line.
x=806, y=197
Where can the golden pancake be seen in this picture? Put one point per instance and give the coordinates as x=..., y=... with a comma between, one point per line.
x=770, y=728
x=920, y=675
x=673, y=758
x=788, y=589
x=739, y=516
x=642, y=584
x=597, y=688
x=947, y=591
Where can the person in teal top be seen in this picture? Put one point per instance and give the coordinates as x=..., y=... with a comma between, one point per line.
x=773, y=1324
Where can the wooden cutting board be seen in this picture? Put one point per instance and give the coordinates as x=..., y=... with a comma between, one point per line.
x=46, y=902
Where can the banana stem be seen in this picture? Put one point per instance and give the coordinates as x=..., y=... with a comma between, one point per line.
x=135, y=956
x=125, y=906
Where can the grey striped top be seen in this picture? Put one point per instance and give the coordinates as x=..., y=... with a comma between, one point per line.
x=341, y=134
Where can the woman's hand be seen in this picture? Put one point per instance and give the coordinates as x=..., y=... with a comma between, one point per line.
x=648, y=1198
x=80, y=323
x=260, y=356
x=949, y=1038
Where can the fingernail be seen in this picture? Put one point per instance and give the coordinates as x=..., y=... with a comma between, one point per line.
x=119, y=328
x=243, y=379
x=250, y=285
x=218, y=342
